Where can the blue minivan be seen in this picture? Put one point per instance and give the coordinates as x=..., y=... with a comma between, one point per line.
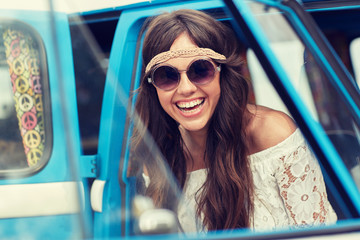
x=68, y=73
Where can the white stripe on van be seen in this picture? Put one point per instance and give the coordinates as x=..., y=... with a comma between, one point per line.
x=40, y=199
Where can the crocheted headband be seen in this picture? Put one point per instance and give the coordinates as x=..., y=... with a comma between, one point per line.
x=193, y=52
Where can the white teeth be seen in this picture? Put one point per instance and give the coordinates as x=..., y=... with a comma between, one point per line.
x=188, y=107
x=189, y=104
x=188, y=111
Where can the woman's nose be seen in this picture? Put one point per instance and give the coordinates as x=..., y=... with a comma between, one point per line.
x=186, y=87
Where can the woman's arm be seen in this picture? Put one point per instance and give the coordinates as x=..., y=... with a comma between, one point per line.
x=302, y=188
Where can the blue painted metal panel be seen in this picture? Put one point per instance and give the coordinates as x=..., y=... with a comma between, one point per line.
x=44, y=227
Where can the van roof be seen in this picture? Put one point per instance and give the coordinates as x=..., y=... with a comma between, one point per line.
x=67, y=6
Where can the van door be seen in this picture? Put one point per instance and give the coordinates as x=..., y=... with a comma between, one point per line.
x=42, y=194
x=328, y=97
x=115, y=190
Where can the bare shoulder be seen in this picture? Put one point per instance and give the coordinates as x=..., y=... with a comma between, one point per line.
x=267, y=128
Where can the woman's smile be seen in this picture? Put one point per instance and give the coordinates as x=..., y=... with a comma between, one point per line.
x=190, y=107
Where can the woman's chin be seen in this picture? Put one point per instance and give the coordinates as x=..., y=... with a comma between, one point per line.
x=194, y=127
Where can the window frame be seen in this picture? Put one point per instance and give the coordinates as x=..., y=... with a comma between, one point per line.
x=46, y=98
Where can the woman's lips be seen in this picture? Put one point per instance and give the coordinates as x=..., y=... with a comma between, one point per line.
x=190, y=106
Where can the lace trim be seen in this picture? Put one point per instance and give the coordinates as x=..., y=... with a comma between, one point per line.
x=302, y=188
x=165, y=56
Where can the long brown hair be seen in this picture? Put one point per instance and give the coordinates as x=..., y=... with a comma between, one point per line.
x=225, y=199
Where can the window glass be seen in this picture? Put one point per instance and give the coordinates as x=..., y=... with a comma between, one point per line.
x=340, y=27
x=90, y=73
x=23, y=134
x=355, y=58
x=315, y=88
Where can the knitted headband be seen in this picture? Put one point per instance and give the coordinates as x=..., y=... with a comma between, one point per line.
x=164, y=56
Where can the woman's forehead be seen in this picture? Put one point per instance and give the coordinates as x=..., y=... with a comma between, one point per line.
x=183, y=41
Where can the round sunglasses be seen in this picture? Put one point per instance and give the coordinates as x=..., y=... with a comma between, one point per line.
x=199, y=72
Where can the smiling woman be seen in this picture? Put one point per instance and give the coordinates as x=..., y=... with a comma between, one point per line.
x=238, y=165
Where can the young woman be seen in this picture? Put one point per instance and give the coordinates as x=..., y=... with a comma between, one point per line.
x=238, y=165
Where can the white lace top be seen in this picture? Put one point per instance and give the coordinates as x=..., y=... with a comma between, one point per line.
x=289, y=189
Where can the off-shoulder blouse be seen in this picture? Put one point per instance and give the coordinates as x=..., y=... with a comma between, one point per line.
x=288, y=184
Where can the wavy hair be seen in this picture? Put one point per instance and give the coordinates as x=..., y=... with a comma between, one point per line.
x=225, y=199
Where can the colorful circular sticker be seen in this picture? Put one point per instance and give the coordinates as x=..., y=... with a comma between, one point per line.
x=26, y=102
x=18, y=66
x=29, y=120
x=15, y=48
x=21, y=84
x=36, y=84
x=33, y=156
x=34, y=67
x=32, y=139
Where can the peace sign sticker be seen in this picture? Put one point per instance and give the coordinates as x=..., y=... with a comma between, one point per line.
x=24, y=46
x=28, y=120
x=22, y=84
x=33, y=156
x=25, y=102
x=18, y=66
x=32, y=139
x=15, y=47
x=34, y=66
x=36, y=84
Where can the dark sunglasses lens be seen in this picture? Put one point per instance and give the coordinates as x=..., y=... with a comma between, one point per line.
x=201, y=71
x=166, y=77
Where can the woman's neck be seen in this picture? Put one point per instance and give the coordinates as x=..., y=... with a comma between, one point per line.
x=195, y=143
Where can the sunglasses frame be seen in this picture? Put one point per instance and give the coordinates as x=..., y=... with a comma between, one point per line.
x=216, y=68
